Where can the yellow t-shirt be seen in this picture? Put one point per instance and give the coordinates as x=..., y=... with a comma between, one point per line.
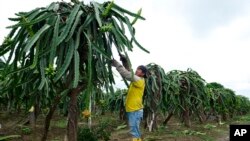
x=135, y=94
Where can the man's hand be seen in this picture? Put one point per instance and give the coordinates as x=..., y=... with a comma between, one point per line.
x=123, y=58
x=114, y=63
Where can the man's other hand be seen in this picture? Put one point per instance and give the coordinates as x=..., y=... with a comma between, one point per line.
x=114, y=63
x=123, y=58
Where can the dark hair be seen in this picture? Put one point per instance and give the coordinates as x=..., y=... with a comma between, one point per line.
x=143, y=69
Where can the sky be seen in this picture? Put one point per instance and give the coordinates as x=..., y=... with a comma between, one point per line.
x=211, y=37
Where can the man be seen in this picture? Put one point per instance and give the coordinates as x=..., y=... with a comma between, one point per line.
x=133, y=103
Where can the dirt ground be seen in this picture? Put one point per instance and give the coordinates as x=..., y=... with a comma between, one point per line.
x=11, y=124
x=175, y=131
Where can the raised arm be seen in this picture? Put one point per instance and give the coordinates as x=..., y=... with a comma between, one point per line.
x=124, y=72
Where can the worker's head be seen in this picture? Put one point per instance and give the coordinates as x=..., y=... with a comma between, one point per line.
x=141, y=71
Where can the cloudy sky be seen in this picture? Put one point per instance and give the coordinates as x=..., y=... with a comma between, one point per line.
x=210, y=36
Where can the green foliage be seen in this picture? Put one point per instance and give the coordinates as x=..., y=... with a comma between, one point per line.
x=224, y=101
x=10, y=137
x=121, y=127
x=192, y=132
x=64, y=32
x=2, y=78
x=101, y=132
x=209, y=126
x=178, y=91
x=187, y=133
x=175, y=91
x=50, y=71
x=55, y=139
x=52, y=50
x=116, y=101
x=85, y=134
x=185, y=90
x=55, y=49
x=26, y=130
x=155, y=86
x=62, y=123
x=242, y=104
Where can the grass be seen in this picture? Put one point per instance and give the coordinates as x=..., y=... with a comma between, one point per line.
x=210, y=131
x=9, y=137
x=243, y=119
x=55, y=139
x=61, y=123
x=174, y=131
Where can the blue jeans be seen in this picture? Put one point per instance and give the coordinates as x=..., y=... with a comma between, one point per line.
x=134, y=119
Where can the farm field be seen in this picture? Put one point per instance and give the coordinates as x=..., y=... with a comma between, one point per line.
x=66, y=74
x=174, y=131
